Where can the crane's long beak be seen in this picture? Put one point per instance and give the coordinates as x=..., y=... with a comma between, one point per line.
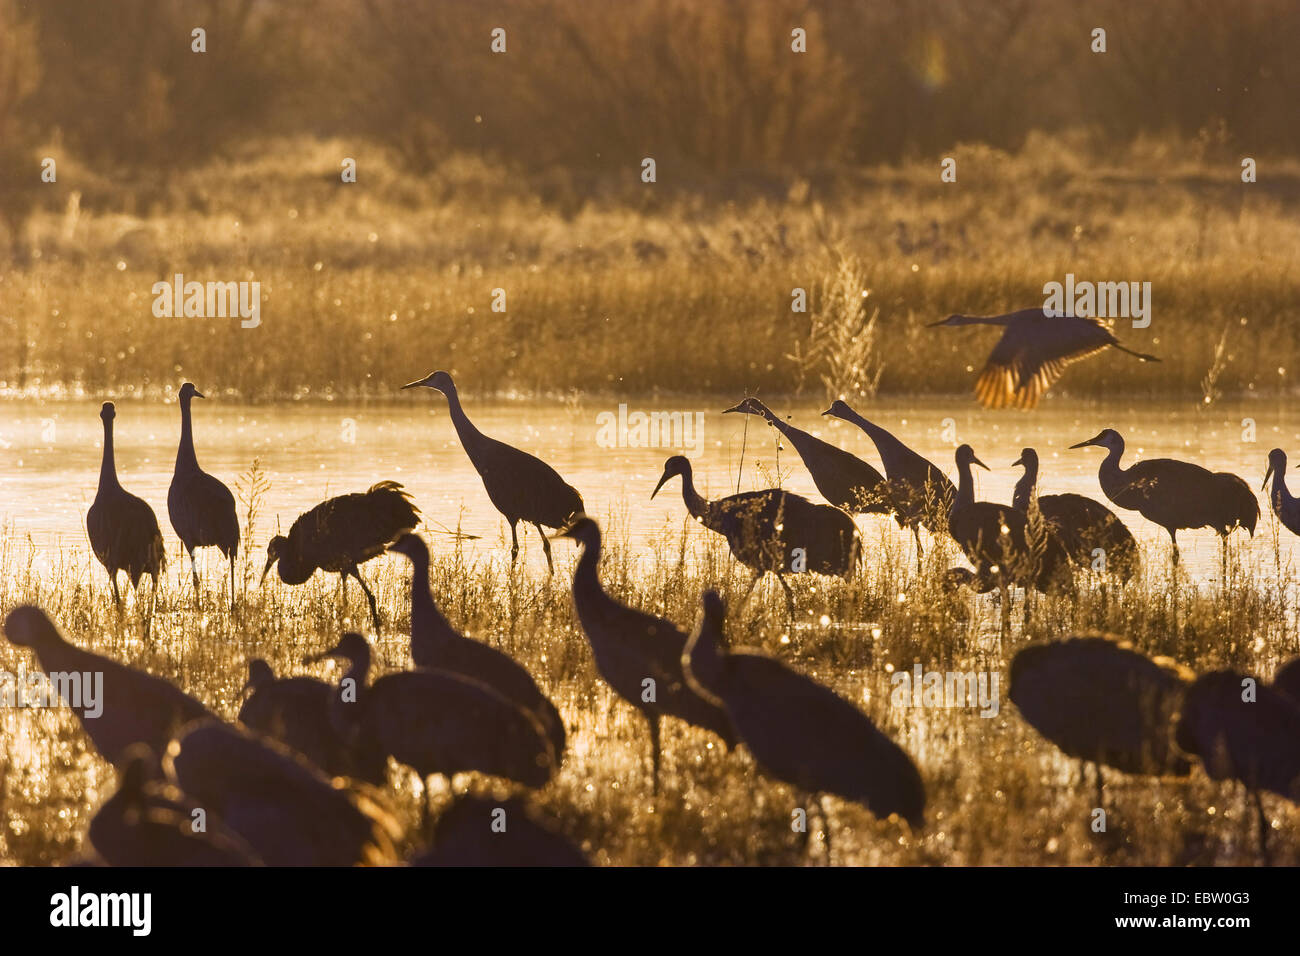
x=828, y=412
x=733, y=408
x=1085, y=444
x=665, y=477
x=265, y=571
x=317, y=658
x=945, y=321
x=976, y=461
x=198, y=394
x=415, y=384
x=1267, y=475
x=1018, y=461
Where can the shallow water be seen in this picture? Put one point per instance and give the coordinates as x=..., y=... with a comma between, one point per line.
x=52, y=452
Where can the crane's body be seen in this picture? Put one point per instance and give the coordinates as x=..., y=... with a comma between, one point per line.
x=1285, y=505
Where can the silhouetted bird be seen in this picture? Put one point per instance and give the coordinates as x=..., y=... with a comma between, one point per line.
x=1100, y=701
x=482, y=831
x=521, y=487
x=1285, y=505
x=148, y=822
x=1080, y=524
x=1033, y=353
x=1287, y=679
x=639, y=655
x=798, y=730
x=437, y=722
x=773, y=530
x=298, y=712
x=288, y=811
x=436, y=644
x=919, y=491
x=1252, y=737
x=341, y=533
x=117, y=705
x=843, y=479
x=123, y=528
x=1175, y=494
x=201, y=508
x=999, y=542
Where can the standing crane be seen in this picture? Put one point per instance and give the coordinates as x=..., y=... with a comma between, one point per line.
x=201, y=508
x=766, y=530
x=340, y=533
x=117, y=705
x=1102, y=702
x=1033, y=352
x=437, y=722
x=297, y=711
x=520, y=486
x=1285, y=505
x=287, y=810
x=1000, y=543
x=436, y=644
x=1254, y=738
x=1176, y=494
x=639, y=655
x=843, y=479
x=1080, y=524
x=798, y=730
x=123, y=528
x=920, y=492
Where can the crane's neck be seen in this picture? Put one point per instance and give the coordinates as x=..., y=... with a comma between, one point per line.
x=1024, y=491
x=185, y=457
x=1280, y=494
x=471, y=439
x=589, y=595
x=108, y=466
x=886, y=444
x=965, y=487
x=430, y=631
x=706, y=665
x=696, y=503
x=1110, y=475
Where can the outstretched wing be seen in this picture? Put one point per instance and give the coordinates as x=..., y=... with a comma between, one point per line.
x=1033, y=353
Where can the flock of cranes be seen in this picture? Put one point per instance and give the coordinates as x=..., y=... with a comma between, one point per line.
x=306, y=758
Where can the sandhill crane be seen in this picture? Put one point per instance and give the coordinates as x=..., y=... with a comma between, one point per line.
x=436, y=644
x=843, y=479
x=288, y=811
x=482, y=831
x=773, y=530
x=1101, y=701
x=1080, y=524
x=1033, y=352
x=1176, y=494
x=919, y=491
x=341, y=533
x=1248, y=735
x=437, y=722
x=128, y=705
x=148, y=822
x=520, y=486
x=123, y=529
x=297, y=711
x=1285, y=505
x=798, y=730
x=201, y=508
x=1287, y=679
x=999, y=542
x=639, y=655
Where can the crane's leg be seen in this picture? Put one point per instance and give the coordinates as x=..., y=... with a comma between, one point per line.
x=514, y=544
x=117, y=597
x=1004, y=595
x=750, y=590
x=1101, y=796
x=1262, y=818
x=826, y=825
x=1223, y=540
x=789, y=597
x=1173, y=536
x=653, y=720
x=370, y=598
x=546, y=546
x=916, y=533
x=194, y=569
x=232, y=582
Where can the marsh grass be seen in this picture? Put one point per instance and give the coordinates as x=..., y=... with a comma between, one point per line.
x=997, y=793
x=651, y=289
